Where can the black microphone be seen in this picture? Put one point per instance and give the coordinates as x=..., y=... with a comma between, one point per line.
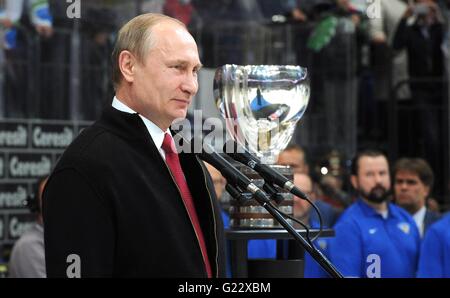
x=230, y=173
x=267, y=173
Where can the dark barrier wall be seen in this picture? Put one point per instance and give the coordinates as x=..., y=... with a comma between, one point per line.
x=29, y=149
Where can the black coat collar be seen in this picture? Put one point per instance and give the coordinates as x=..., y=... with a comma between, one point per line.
x=126, y=125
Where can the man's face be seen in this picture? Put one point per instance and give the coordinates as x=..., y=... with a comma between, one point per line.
x=294, y=159
x=41, y=188
x=304, y=182
x=218, y=180
x=373, y=181
x=410, y=191
x=166, y=81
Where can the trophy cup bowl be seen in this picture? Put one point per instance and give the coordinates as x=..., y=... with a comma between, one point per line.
x=261, y=105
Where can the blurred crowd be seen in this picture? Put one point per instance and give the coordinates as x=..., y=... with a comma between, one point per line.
x=387, y=224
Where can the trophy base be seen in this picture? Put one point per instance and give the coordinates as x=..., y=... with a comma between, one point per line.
x=249, y=214
x=252, y=223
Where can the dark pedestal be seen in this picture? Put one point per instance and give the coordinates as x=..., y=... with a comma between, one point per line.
x=241, y=267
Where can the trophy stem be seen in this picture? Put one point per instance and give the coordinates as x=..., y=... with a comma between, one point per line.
x=268, y=158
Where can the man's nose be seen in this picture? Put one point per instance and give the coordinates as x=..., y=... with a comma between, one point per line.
x=378, y=179
x=190, y=84
x=403, y=185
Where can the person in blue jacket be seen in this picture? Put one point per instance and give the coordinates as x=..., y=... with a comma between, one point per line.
x=308, y=215
x=435, y=253
x=256, y=248
x=374, y=238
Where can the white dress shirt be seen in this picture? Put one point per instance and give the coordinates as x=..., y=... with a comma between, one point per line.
x=419, y=218
x=156, y=133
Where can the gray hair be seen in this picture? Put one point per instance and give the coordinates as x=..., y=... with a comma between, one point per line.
x=136, y=37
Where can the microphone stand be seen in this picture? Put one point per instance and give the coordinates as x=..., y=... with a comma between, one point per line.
x=315, y=253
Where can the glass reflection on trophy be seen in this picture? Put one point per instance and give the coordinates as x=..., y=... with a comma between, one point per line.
x=261, y=105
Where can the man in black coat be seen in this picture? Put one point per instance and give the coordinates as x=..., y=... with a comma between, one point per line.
x=121, y=202
x=420, y=31
x=421, y=121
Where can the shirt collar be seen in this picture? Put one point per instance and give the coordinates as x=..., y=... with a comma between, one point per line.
x=156, y=133
x=369, y=211
x=419, y=217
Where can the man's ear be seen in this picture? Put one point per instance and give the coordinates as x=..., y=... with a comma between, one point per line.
x=427, y=191
x=127, y=62
x=354, y=181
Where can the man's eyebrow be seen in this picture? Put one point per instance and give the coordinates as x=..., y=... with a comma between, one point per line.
x=178, y=61
x=184, y=62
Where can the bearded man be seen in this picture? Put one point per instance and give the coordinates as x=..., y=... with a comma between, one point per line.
x=374, y=238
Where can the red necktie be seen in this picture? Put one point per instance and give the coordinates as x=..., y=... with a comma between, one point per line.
x=173, y=163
